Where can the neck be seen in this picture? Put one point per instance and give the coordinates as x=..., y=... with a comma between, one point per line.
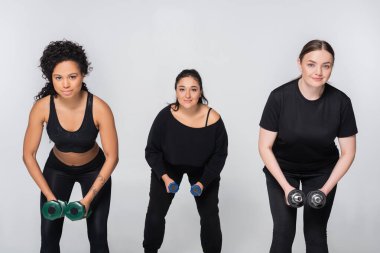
x=310, y=92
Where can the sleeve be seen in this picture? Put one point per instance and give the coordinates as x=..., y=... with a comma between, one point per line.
x=271, y=114
x=153, y=150
x=217, y=160
x=347, y=126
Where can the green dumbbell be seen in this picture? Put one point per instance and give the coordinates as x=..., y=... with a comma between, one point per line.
x=76, y=211
x=54, y=209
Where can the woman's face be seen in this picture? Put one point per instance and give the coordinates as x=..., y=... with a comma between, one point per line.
x=316, y=67
x=188, y=92
x=67, y=79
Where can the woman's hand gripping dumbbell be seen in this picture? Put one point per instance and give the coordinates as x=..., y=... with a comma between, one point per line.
x=296, y=198
x=76, y=211
x=170, y=184
x=316, y=199
x=54, y=209
x=196, y=189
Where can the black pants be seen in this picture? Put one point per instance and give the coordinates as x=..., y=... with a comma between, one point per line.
x=159, y=203
x=61, y=179
x=284, y=217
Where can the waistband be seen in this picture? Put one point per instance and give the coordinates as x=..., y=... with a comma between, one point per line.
x=95, y=164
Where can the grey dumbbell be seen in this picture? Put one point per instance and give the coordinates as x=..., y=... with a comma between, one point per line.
x=296, y=198
x=316, y=199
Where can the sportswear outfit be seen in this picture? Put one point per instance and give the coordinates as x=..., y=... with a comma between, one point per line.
x=175, y=149
x=61, y=178
x=306, y=152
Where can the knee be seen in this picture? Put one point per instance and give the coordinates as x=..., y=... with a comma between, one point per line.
x=98, y=240
x=209, y=215
x=51, y=231
x=284, y=233
x=154, y=218
x=316, y=238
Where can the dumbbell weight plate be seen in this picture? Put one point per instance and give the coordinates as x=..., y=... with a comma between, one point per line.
x=316, y=199
x=53, y=210
x=296, y=198
x=173, y=187
x=196, y=190
x=76, y=211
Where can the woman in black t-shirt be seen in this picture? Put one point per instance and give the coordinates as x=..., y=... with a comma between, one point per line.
x=186, y=137
x=299, y=124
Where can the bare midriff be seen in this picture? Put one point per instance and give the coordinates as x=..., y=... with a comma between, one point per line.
x=76, y=159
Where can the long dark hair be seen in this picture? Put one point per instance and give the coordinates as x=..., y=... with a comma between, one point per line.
x=55, y=53
x=194, y=74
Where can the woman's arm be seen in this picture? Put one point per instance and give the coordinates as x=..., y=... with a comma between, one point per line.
x=32, y=141
x=104, y=119
x=348, y=150
x=215, y=164
x=266, y=140
x=153, y=152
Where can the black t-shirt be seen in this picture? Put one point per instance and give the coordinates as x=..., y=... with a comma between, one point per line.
x=307, y=129
x=172, y=145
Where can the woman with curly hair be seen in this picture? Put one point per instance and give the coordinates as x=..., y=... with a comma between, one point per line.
x=73, y=118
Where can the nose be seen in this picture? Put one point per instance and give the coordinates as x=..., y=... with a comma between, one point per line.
x=319, y=71
x=65, y=83
x=187, y=94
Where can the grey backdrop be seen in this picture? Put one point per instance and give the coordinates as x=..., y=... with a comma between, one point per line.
x=243, y=50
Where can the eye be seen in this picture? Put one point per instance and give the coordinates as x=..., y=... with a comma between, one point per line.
x=58, y=78
x=326, y=66
x=181, y=89
x=310, y=65
x=73, y=77
x=194, y=90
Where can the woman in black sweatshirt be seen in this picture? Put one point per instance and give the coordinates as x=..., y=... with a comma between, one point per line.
x=186, y=137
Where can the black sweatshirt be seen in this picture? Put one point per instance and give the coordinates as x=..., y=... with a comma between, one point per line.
x=172, y=144
x=307, y=129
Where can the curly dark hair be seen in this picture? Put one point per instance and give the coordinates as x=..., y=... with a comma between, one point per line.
x=57, y=52
x=194, y=74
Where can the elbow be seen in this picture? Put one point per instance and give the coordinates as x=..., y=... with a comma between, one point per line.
x=350, y=156
x=28, y=156
x=263, y=149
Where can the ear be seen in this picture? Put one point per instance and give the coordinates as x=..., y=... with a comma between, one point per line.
x=299, y=65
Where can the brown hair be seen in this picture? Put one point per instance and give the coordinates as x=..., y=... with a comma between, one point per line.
x=315, y=45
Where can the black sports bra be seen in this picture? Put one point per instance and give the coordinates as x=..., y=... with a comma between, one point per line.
x=78, y=141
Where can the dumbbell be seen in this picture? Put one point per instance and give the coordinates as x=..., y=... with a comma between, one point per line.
x=296, y=198
x=316, y=199
x=173, y=187
x=196, y=190
x=76, y=211
x=54, y=209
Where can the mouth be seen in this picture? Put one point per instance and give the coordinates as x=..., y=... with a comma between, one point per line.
x=67, y=92
x=318, y=79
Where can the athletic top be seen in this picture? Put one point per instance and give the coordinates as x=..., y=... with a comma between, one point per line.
x=307, y=128
x=78, y=141
x=172, y=144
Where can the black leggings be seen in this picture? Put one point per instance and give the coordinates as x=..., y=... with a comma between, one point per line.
x=159, y=203
x=284, y=217
x=61, y=179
